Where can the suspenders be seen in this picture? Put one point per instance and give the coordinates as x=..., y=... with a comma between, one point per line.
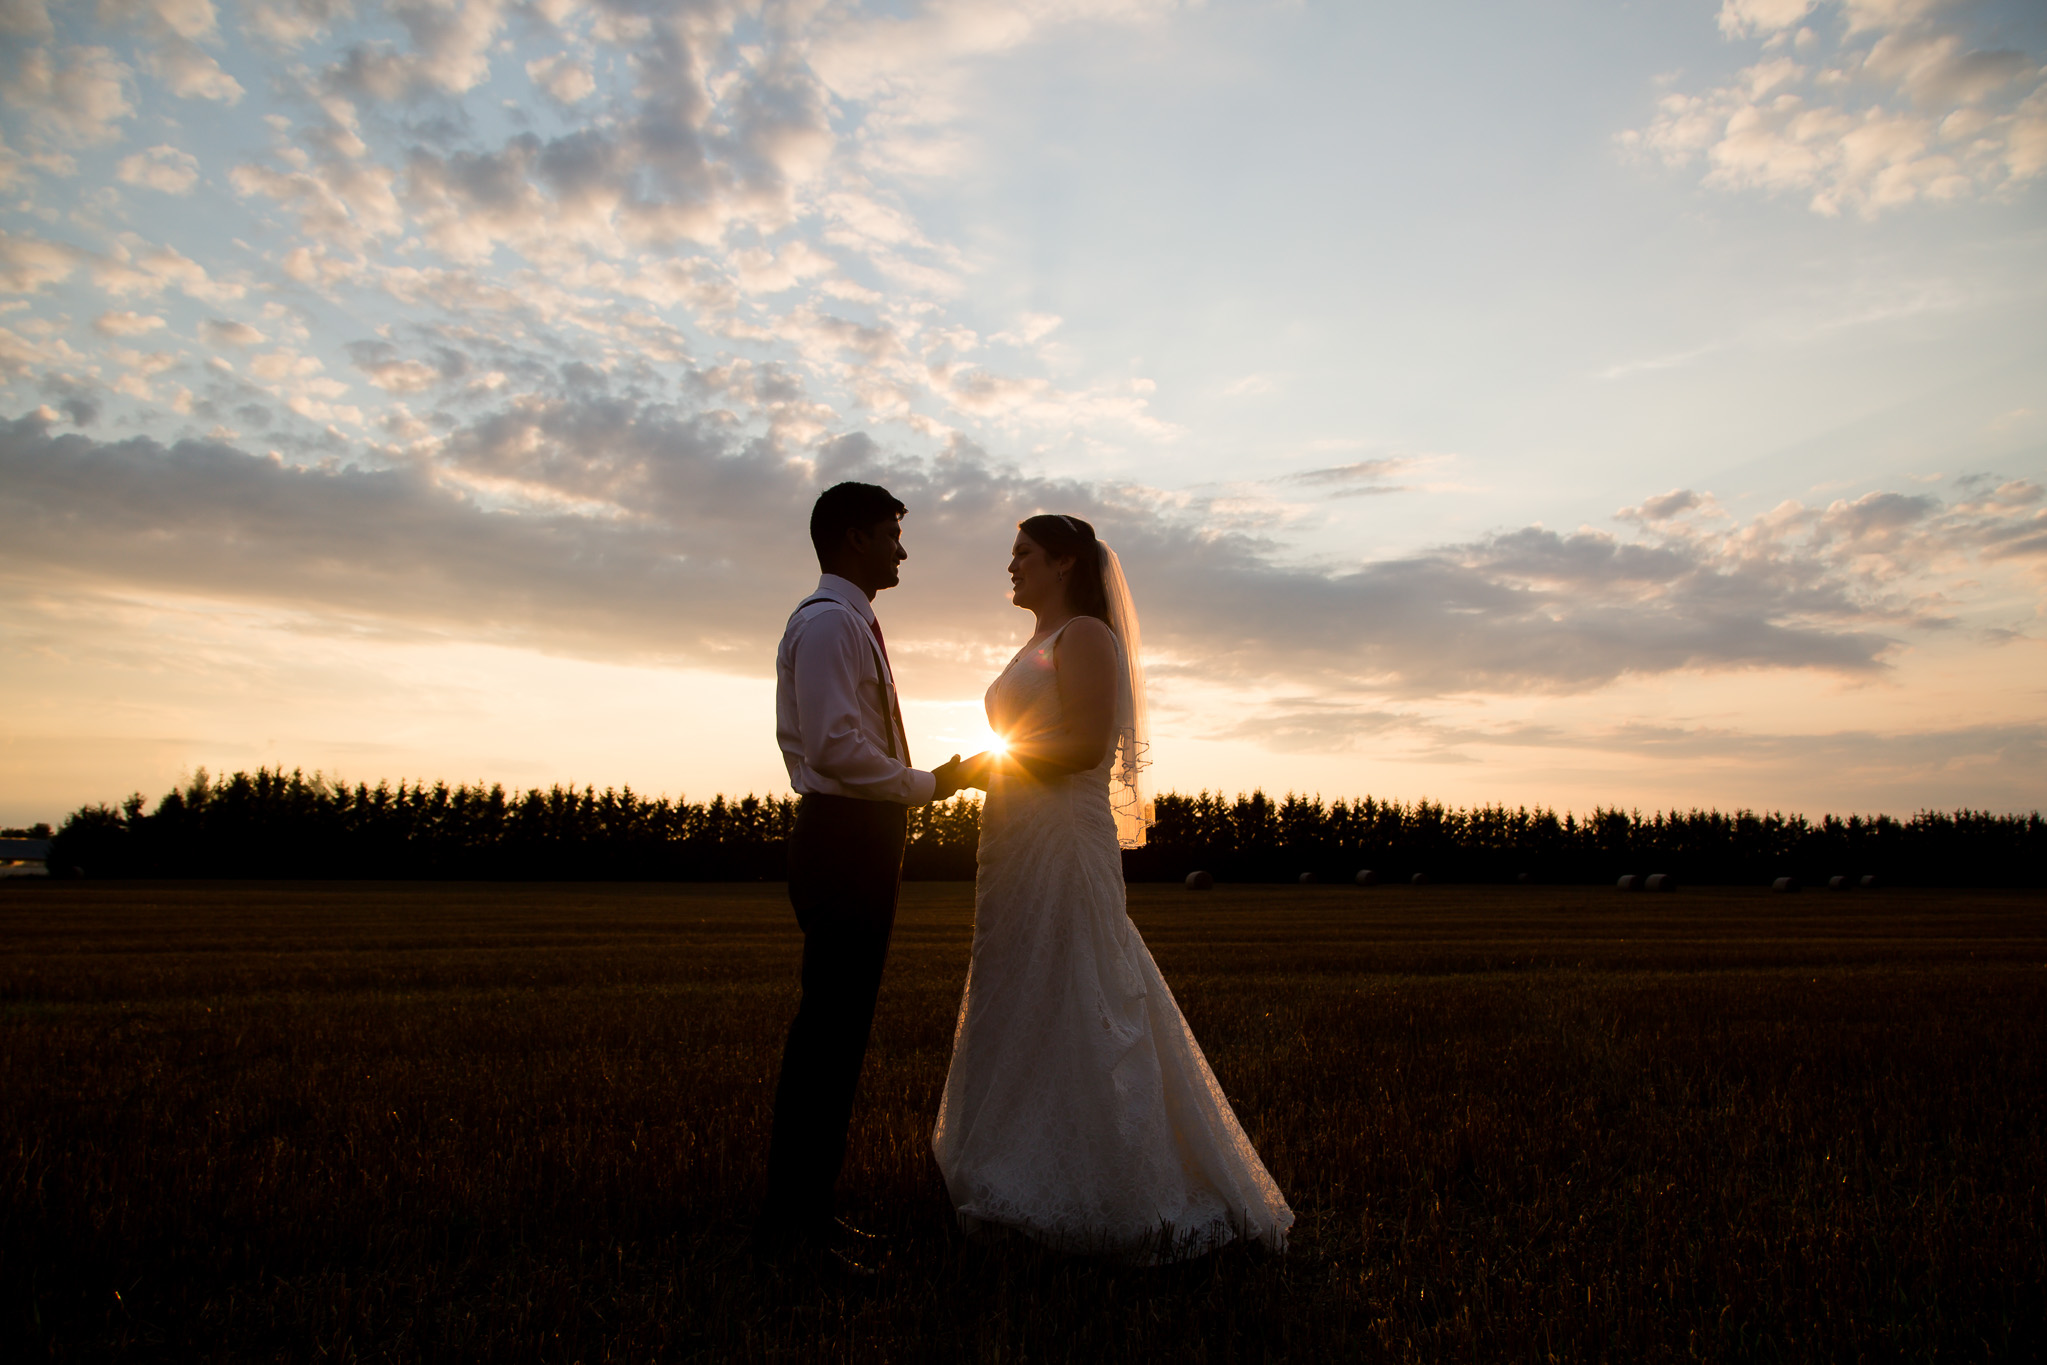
x=881, y=668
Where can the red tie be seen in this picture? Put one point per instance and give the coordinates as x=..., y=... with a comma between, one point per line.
x=895, y=711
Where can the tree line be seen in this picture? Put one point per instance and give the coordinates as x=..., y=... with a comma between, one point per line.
x=1255, y=838
x=272, y=823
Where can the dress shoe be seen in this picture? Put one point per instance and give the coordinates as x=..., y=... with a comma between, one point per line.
x=824, y=1249
x=848, y=1266
x=843, y=1235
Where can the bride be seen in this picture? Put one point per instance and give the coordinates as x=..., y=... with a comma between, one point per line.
x=1079, y=1110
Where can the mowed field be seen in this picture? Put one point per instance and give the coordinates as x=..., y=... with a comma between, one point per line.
x=528, y=1122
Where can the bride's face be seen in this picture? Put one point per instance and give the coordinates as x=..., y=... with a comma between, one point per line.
x=1034, y=576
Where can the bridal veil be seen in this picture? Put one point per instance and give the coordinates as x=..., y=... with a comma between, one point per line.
x=1129, y=793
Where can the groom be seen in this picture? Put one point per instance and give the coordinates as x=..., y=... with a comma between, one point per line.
x=841, y=733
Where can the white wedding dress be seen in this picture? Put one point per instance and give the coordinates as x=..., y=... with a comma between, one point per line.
x=1079, y=1109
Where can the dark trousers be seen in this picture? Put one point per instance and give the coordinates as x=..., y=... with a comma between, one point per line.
x=845, y=864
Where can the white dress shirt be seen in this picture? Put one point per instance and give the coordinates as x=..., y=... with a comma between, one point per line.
x=835, y=703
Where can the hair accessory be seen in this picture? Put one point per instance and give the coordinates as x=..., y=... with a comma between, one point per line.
x=1071, y=524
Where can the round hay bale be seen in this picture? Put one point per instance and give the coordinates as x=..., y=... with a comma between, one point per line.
x=1201, y=881
x=1630, y=882
x=1870, y=882
x=1838, y=883
x=1307, y=879
x=1660, y=881
x=1418, y=879
x=1785, y=884
x=1367, y=877
x=1524, y=879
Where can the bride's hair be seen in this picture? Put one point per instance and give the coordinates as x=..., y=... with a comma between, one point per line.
x=1095, y=587
x=1060, y=536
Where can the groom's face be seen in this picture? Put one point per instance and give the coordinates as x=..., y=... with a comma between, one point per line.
x=878, y=551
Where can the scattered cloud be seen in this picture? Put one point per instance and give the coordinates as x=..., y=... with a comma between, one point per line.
x=1862, y=105
x=133, y=265
x=563, y=77
x=174, y=33
x=388, y=370
x=448, y=51
x=290, y=24
x=1749, y=18
x=29, y=264
x=1665, y=506
x=126, y=324
x=542, y=321
x=162, y=168
x=1972, y=761
x=713, y=195
x=226, y=332
x=612, y=526
x=26, y=19
x=1361, y=478
x=78, y=95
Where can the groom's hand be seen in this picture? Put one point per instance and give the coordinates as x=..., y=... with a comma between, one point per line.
x=951, y=778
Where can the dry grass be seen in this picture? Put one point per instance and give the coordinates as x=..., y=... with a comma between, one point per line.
x=527, y=1122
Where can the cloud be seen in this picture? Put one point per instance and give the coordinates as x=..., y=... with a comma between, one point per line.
x=290, y=24
x=622, y=528
x=26, y=19
x=715, y=192
x=391, y=372
x=162, y=168
x=1975, y=764
x=563, y=77
x=342, y=196
x=400, y=542
x=1865, y=751
x=1362, y=478
x=633, y=329
x=18, y=356
x=1665, y=506
x=865, y=56
x=1747, y=18
x=225, y=332
x=14, y=167
x=126, y=324
x=910, y=67
x=1305, y=724
x=1525, y=610
x=80, y=96
x=174, y=30
x=136, y=266
x=28, y=264
x=685, y=164
x=2007, y=521
x=449, y=51
x=1902, y=110
x=472, y=202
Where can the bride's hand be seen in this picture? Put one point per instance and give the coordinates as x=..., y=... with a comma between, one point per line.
x=976, y=770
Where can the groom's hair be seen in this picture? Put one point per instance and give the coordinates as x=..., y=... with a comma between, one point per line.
x=848, y=507
x=1060, y=536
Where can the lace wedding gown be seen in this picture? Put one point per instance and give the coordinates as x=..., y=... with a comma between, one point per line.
x=1079, y=1109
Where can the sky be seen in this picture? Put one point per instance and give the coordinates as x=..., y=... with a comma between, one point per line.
x=1563, y=404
